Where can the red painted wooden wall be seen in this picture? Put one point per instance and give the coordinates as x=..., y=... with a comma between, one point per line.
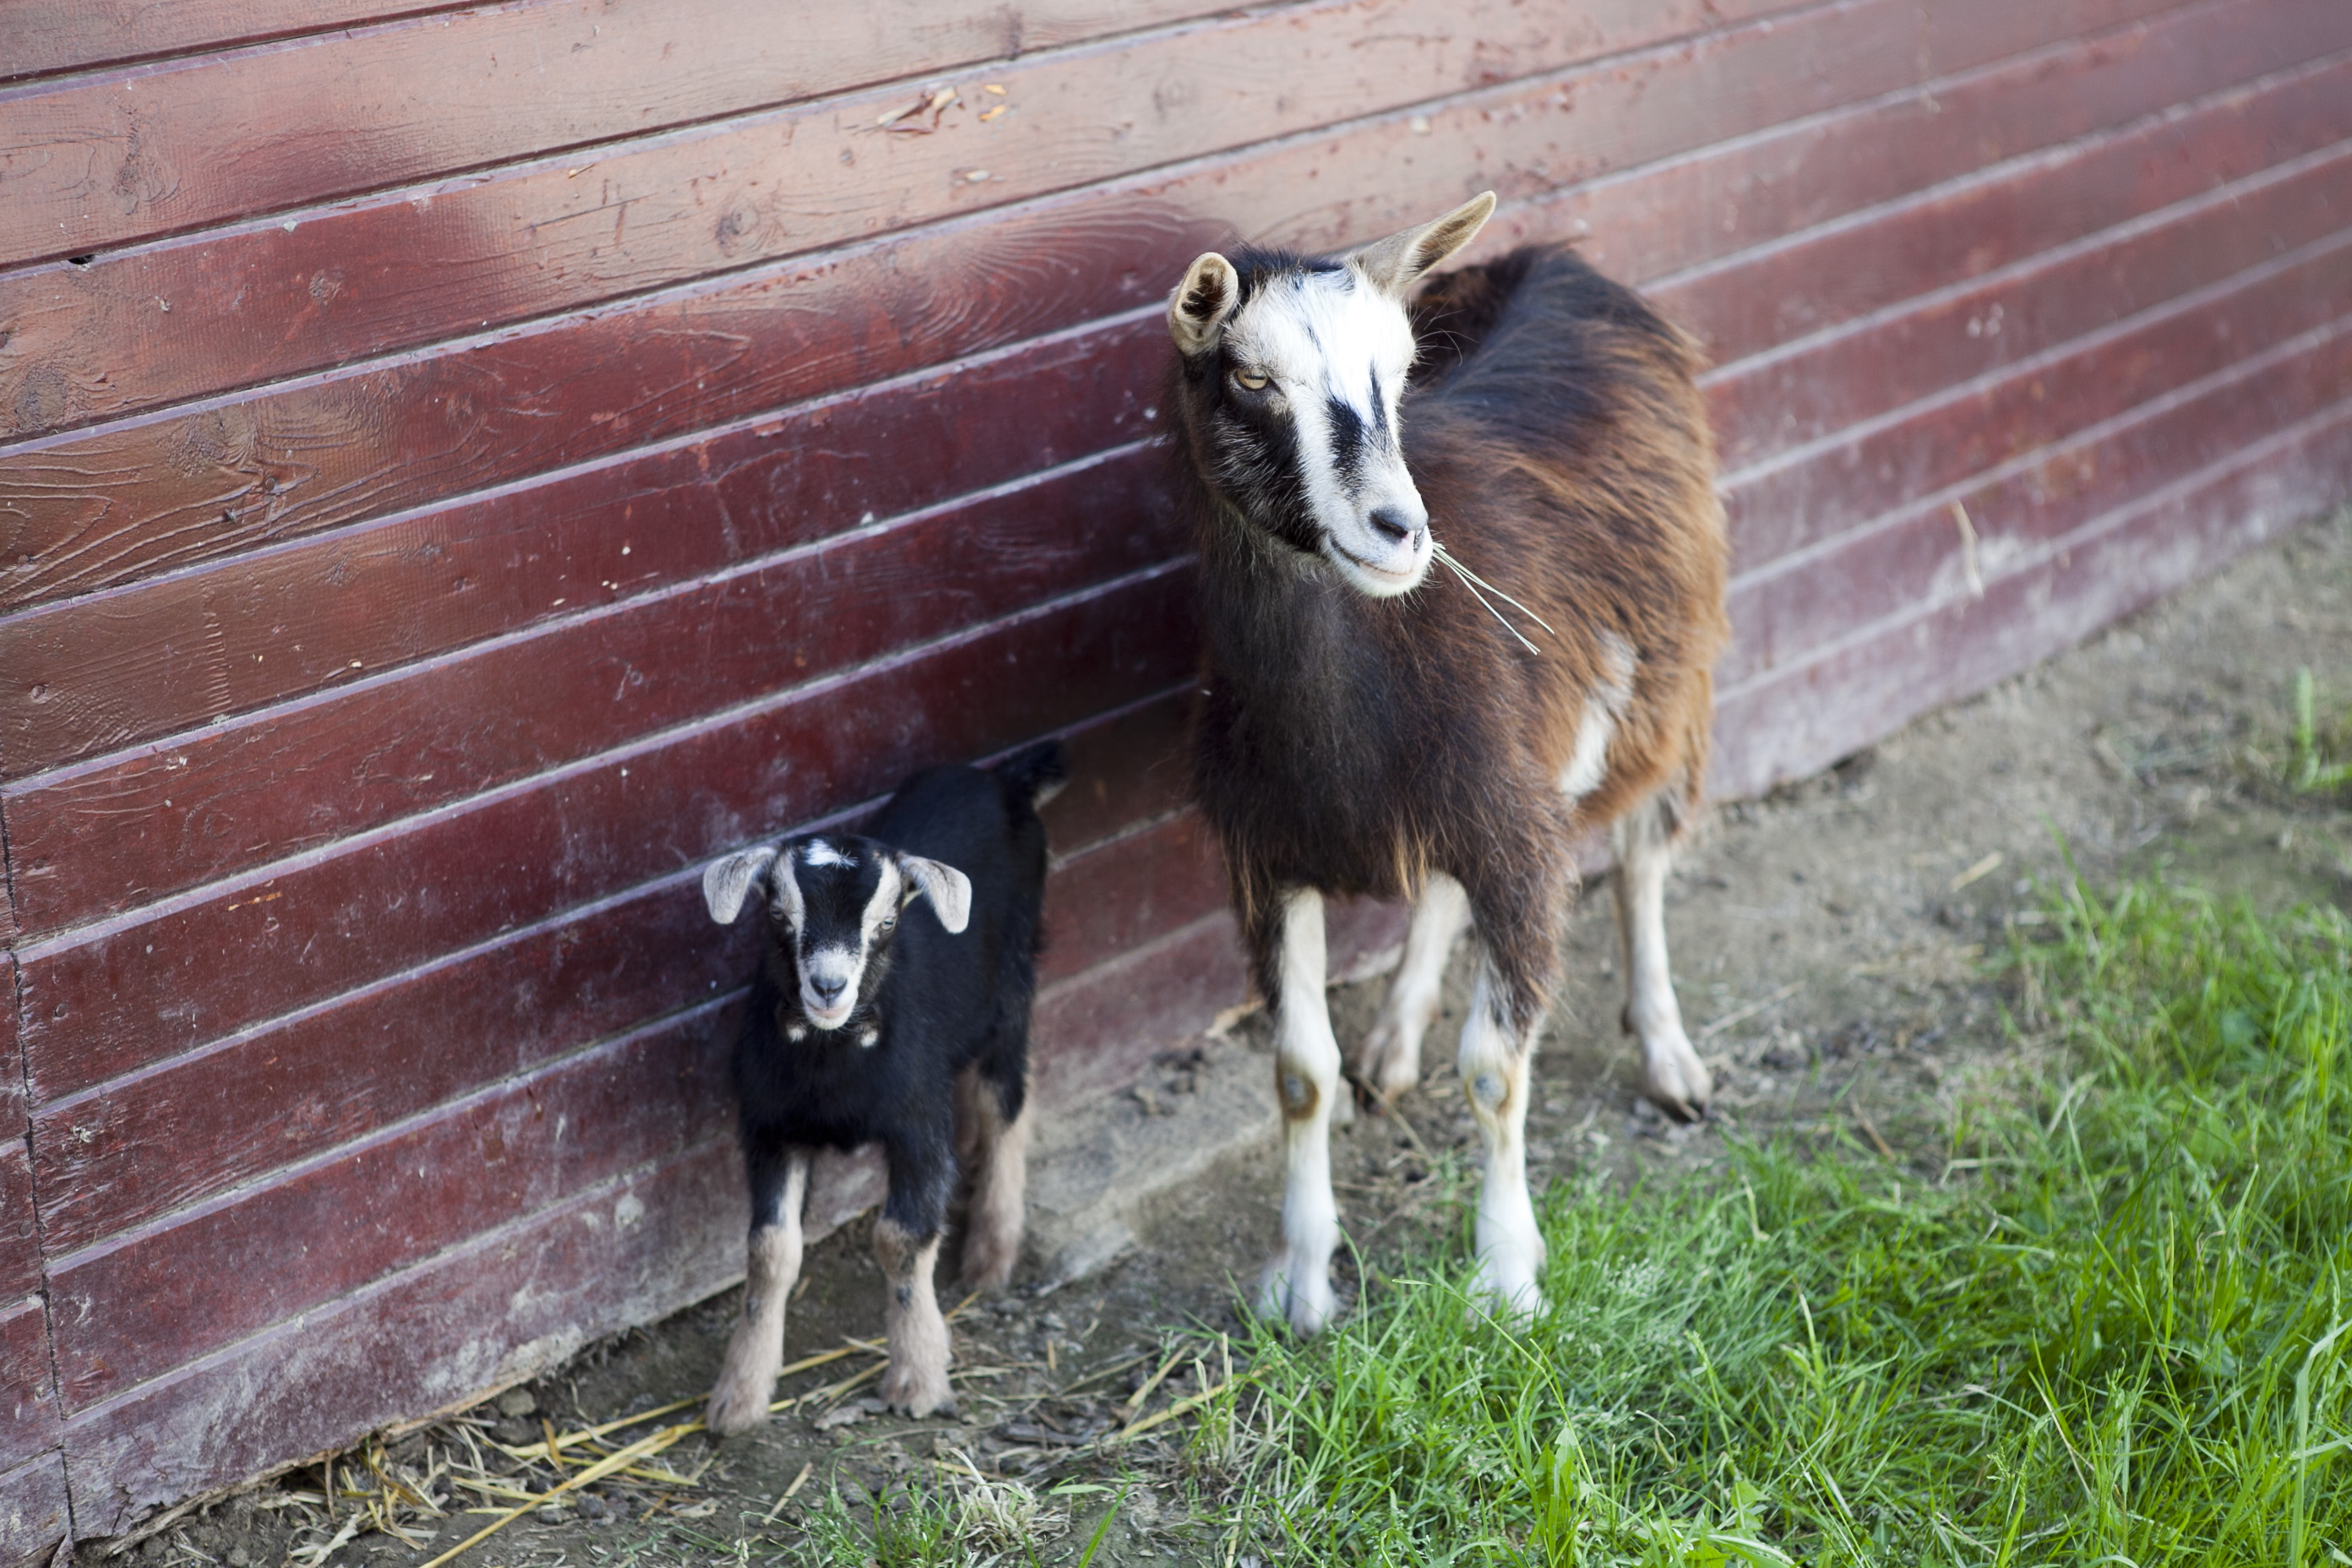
x=461, y=468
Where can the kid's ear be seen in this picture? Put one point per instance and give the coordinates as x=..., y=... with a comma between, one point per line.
x=727, y=882
x=1394, y=264
x=1202, y=303
x=949, y=889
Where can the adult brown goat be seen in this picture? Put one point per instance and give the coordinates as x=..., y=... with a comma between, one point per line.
x=1363, y=734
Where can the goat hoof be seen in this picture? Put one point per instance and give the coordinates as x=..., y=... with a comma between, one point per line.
x=1676, y=1080
x=738, y=1405
x=1300, y=1296
x=988, y=1263
x=1388, y=1064
x=1507, y=1297
x=747, y=1379
x=917, y=1391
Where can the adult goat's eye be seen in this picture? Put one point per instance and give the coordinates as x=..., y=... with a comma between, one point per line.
x=1249, y=381
x=889, y=922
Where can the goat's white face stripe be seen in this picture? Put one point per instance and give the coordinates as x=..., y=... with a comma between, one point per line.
x=889, y=889
x=788, y=891
x=1337, y=351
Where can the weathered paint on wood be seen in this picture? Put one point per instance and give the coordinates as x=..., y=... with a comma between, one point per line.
x=33, y=1510
x=29, y=1403
x=101, y=161
x=332, y=711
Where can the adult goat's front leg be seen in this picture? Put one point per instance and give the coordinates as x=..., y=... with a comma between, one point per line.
x=1672, y=1073
x=1497, y=1044
x=1291, y=961
x=1390, y=1061
x=747, y=1378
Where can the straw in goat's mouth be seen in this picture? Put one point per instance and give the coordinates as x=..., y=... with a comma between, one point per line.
x=1472, y=581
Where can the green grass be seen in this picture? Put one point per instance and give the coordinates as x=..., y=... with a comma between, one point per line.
x=2100, y=1321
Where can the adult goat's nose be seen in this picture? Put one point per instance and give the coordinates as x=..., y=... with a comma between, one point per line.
x=828, y=989
x=1393, y=524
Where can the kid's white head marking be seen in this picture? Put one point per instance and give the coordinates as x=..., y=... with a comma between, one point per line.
x=817, y=852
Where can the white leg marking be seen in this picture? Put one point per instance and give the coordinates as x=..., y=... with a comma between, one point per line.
x=1494, y=1066
x=913, y=1331
x=747, y=1378
x=1672, y=1073
x=1297, y=1283
x=992, y=1239
x=1390, y=1061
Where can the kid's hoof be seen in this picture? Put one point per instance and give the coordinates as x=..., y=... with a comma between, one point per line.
x=747, y=1379
x=917, y=1391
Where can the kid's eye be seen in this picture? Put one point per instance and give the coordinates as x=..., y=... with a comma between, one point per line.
x=889, y=922
x=1249, y=381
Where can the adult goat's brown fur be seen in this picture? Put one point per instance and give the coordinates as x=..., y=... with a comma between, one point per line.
x=1355, y=744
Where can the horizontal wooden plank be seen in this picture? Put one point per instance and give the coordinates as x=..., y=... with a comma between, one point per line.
x=216, y=803
x=156, y=494
x=1814, y=388
x=101, y=161
x=182, y=1130
x=1920, y=555
x=1129, y=768
x=2000, y=214
x=138, y=1306
x=1098, y=1030
x=505, y=1304
x=34, y=1516
x=117, y=995
x=416, y=266
x=28, y=1401
x=46, y=37
x=1119, y=896
x=1825, y=491
x=1794, y=722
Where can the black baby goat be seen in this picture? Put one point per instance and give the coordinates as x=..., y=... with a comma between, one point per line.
x=893, y=994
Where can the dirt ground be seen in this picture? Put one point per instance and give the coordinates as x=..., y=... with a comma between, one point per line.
x=1830, y=946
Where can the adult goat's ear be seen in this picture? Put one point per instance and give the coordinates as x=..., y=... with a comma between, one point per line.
x=1394, y=264
x=1202, y=303
x=726, y=882
x=949, y=889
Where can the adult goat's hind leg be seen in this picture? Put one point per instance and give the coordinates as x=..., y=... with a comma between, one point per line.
x=1390, y=1061
x=747, y=1378
x=1497, y=1050
x=1672, y=1073
x=1291, y=961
